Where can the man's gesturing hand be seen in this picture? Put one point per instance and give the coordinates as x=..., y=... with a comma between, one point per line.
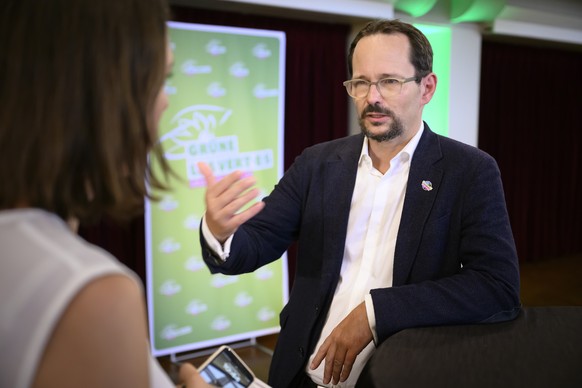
x=224, y=199
x=342, y=346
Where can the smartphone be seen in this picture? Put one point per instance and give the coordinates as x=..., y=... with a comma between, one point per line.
x=224, y=368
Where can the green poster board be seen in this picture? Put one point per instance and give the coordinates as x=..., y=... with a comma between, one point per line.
x=226, y=98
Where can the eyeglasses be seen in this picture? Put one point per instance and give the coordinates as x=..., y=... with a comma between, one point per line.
x=359, y=88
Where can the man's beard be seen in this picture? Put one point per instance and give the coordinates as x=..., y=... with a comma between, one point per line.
x=395, y=129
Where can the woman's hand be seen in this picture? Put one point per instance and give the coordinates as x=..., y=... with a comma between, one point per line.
x=190, y=377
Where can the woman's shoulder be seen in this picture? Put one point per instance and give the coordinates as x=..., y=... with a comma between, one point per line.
x=104, y=324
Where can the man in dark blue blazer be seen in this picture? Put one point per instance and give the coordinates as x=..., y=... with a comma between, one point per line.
x=397, y=227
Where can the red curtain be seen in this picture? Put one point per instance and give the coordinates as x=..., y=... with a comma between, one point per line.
x=529, y=120
x=316, y=108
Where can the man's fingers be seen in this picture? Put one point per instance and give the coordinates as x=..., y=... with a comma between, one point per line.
x=329, y=366
x=334, y=360
x=346, y=370
x=232, y=221
x=320, y=355
x=235, y=204
x=341, y=348
x=249, y=213
x=228, y=206
x=337, y=369
x=207, y=173
x=216, y=187
x=225, y=197
x=224, y=220
x=228, y=189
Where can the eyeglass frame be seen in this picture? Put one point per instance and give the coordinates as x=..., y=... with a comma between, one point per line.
x=400, y=81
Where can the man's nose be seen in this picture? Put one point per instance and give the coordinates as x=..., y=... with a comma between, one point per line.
x=374, y=95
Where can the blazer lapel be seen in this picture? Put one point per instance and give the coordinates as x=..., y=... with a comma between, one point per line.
x=338, y=188
x=423, y=184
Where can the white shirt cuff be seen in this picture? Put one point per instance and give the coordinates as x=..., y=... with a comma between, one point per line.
x=371, y=316
x=223, y=251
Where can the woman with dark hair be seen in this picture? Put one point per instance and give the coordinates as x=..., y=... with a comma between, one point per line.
x=81, y=94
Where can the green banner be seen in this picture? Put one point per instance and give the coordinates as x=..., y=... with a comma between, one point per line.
x=226, y=108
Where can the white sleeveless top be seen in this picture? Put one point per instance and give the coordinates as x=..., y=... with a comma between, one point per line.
x=43, y=265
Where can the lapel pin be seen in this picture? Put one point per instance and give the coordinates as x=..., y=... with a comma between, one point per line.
x=426, y=185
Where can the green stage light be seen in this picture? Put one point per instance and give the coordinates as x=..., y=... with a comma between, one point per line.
x=436, y=112
x=415, y=8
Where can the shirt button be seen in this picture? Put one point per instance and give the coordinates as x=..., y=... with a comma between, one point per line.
x=301, y=351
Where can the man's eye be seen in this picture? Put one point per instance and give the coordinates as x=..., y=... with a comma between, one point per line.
x=359, y=83
x=389, y=81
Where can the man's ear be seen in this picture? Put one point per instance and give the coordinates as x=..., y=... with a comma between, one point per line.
x=428, y=87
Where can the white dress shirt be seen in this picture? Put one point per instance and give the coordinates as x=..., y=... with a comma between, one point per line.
x=368, y=260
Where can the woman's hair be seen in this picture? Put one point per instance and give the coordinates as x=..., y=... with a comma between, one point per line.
x=78, y=83
x=420, y=52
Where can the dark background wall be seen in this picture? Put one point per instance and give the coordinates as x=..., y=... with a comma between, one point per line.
x=529, y=120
